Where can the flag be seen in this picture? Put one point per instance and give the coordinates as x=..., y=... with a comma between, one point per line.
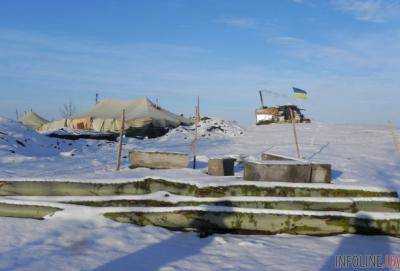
x=299, y=93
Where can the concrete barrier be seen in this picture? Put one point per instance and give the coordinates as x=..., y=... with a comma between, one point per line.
x=288, y=171
x=221, y=166
x=320, y=172
x=158, y=160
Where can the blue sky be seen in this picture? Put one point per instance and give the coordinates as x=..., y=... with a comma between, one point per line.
x=345, y=53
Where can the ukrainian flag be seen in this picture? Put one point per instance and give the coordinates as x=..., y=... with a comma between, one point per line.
x=299, y=93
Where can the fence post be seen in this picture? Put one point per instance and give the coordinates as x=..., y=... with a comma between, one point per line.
x=121, y=134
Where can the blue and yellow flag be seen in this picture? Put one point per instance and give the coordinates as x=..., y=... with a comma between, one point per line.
x=299, y=93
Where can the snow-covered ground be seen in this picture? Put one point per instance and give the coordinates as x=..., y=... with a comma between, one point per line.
x=361, y=155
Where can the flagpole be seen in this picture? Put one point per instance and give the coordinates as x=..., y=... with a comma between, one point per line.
x=295, y=132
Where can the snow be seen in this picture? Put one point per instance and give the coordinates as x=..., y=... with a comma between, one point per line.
x=22, y=144
x=80, y=239
x=207, y=128
x=100, y=244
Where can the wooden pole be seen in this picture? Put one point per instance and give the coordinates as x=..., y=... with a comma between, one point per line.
x=196, y=124
x=295, y=132
x=121, y=135
x=395, y=137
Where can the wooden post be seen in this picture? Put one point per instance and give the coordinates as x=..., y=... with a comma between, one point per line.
x=196, y=124
x=395, y=137
x=121, y=134
x=295, y=132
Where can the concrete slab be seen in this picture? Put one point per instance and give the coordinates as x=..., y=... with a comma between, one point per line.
x=320, y=172
x=269, y=222
x=297, y=172
x=158, y=160
x=151, y=185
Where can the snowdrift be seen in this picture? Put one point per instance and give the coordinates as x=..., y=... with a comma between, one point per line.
x=19, y=143
x=18, y=139
x=208, y=128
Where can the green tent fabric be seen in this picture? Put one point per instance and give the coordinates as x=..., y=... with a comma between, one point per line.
x=140, y=114
x=33, y=120
x=135, y=110
x=54, y=125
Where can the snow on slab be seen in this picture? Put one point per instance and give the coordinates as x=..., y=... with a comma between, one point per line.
x=208, y=181
x=168, y=197
x=281, y=162
x=159, y=152
x=285, y=157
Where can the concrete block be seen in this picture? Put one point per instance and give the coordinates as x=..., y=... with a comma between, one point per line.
x=321, y=173
x=221, y=166
x=158, y=160
x=290, y=171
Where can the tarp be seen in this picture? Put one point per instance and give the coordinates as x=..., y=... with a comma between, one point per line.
x=33, y=120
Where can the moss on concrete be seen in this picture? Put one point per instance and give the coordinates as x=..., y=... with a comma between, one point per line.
x=374, y=206
x=260, y=223
x=26, y=211
x=154, y=185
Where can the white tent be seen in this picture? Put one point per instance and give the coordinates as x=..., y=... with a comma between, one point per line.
x=33, y=120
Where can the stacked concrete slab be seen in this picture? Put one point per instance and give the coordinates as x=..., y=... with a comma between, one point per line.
x=252, y=208
x=288, y=196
